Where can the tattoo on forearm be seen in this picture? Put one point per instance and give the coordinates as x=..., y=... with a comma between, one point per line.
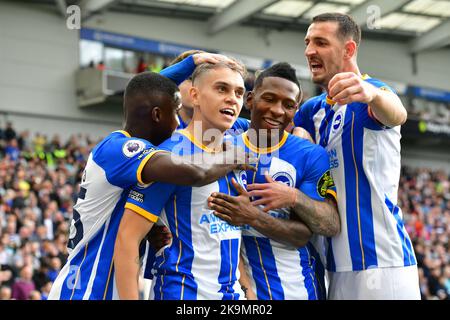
x=321, y=218
x=289, y=232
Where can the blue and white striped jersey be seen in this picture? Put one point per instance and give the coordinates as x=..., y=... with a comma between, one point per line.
x=202, y=260
x=113, y=167
x=280, y=271
x=365, y=164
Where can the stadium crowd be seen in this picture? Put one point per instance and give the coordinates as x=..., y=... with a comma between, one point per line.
x=38, y=187
x=424, y=197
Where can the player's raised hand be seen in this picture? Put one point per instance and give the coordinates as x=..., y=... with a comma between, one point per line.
x=213, y=58
x=273, y=194
x=348, y=87
x=234, y=210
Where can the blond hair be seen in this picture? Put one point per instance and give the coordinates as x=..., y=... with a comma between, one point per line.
x=237, y=66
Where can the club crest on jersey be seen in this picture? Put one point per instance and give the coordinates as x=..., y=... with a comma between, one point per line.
x=284, y=177
x=325, y=182
x=242, y=178
x=337, y=121
x=132, y=147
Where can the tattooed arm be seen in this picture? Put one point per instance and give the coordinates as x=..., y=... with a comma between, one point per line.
x=321, y=217
x=292, y=231
x=240, y=211
x=132, y=230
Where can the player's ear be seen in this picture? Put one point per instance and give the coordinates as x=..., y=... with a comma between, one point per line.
x=249, y=96
x=156, y=114
x=193, y=92
x=350, y=49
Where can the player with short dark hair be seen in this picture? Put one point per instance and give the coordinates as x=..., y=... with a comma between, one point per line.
x=347, y=27
x=358, y=121
x=280, y=70
x=282, y=260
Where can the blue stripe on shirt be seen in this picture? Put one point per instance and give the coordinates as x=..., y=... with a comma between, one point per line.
x=264, y=269
x=325, y=126
x=75, y=285
x=331, y=264
x=229, y=255
x=105, y=277
x=177, y=269
x=408, y=253
x=308, y=273
x=319, y=271
x=358, y=196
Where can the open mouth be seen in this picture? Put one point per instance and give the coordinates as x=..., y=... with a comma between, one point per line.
x=315, y=66
x=228, y=112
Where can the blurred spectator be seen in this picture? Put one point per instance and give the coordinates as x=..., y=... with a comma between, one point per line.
x=446, y=279
x=39, y=142
x=142, y=66
x=5, y=293
x=12, y=149
x=6, y=254
x=45, y=290
x=100, y=66
x=154, y=66
x=55, y=267
x=23, y=286
x=35, y=295
x=24, y=140
x=9, y=133
x=6, y=276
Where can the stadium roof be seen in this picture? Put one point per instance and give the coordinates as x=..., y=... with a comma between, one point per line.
x=424, y=23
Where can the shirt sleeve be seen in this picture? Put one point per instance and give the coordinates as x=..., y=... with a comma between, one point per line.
x=318, y=182
x=239, y=126
x=180, y=71
x=149, y=201
x=124, y=159
x=366, y=116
